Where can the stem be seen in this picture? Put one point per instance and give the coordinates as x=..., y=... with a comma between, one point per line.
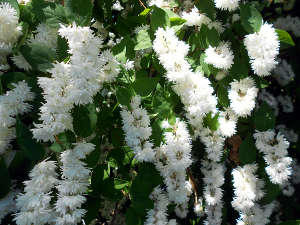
x=142, y=4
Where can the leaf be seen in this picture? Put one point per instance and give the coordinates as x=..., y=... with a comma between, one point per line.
x=124, y=50
x=207, y=7
x=264, y=118
x=64, y=141
x=14, y=4
x=55, y=16
x=39, y=56
x=222, y=94
x=132, y=217
x=290, y=222
x=143, y=86
x=285, y=39
x=79, y=11
x=5, y=179
x=83, y=123
x=177, y=23
x=159, y=18
x=145, y=12
x=62, y=49
x=271, y=191
x=13, y=77
x=251, y=18
x=247, y=151
x=33, y=150
x=143, y=40
x=206, y=68
x=211, y=122
x=123, y=96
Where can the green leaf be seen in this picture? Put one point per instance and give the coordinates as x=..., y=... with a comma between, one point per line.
x=120, y=184
x=211, y=122
x=247, y=151
x=123, y=96
x=14, y=4
x=124, y=50
x=285, y=39
x=82, y=121
x=117, y=137
x=62, y=49
x=79, y=11
x=251, y=18
x=143, y=86
x=271, y=191
x=65, y=141
x=143, y=40
x=145, y=12
x=13, y=77
x=5, y=179
x=222, y=94
x=264, y=118
x=33, y=150
x=206, y=68
x=159, y=18
x=132, y=217
x=39, y=56
x=207, y=7
x=177, y=23
x=55, y=16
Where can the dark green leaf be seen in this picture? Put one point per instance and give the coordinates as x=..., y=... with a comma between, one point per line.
x=159, y=18
x=123, y=96
x=82, y=123
x=62, y=49
x=207, y=7
x=290, y=222
x=247, y=151
x=251, y=18
x=55, y=16
x=143, y=86
x=132, y=217
x=33, y=150
x=264, y=118
x=5, y=179
x=143, y=40
x=222, y=94
x=79, y=11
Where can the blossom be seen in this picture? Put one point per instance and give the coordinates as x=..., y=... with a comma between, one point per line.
x=283, y=73
x=274, y=147
x=227, y=120
x=117, y=6
x=269, y=99
x=34, y=204
x=8, y=203
x=242, y=96
x=289, y=23
x=220, y=57
x=263, y=48
x=286, y=103
x=229, y=5
x=194, y=18
x=74, y=183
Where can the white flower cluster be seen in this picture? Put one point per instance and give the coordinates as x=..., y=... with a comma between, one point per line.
x=195, y=18
x=74, y=183
x=242, y=96
x=117, y=6
x=159, y=3
x=274, y=147
x=229, y=5
x=75, y=82
x=8, y=204
x=220, y=57
x=172, y=160
x=13, y=103
x=289, y=134
x=194, y=89
x=286, y=103
x=283, y=73
x=9, y=32
x=289, y=23
x=158, y=215
x=248, y=189
x=137, y=128
x=263, y=48
x=227, y=120
x=34, y=204
x=267, y=97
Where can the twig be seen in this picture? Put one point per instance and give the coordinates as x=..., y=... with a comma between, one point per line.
x=193, y=182
x=142, y=4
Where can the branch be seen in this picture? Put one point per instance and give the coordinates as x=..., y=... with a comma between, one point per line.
x=142, y=4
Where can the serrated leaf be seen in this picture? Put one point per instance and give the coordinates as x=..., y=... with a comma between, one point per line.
x=145, y=85
x=285, y=39
x=82, y=123
x=207, y=7
x=55, y=16
x=79, y=11
x=143, y=40
x=124, y=50
x=159, y=18
x=211, y=121
x=206, y=68
x=247, y=151
x=123, y=96
x=33, y=150
x=222, y=94
x=264, y=118
x=62, y=49
x=251, y=18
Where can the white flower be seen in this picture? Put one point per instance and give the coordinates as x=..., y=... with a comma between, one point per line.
x=229, y=5
x=289, y=23
x=194, y=18
x=13, y=103
x=8, y=204
x=286, y=103
x=242, y=96
x=34, y=204
x=283, y=73
x=263, y=48
x=117, y=6
x=274, y=147
x=227, y=120
x=21, y=62
x=220, y=57
x=159, y=3
x=74, y=183
x=289, y=134
x=269, y=99
x=129, y=65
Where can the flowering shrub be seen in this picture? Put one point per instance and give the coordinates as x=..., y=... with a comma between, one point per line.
x=148, y=112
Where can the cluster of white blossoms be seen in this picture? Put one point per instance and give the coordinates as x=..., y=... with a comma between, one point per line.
x=193, y=88
x=229, y=5
x=227, y=120
x=158, y=215
x=242, y=95
x=220, y=57
x=137, y=128
x=263, y=48
x=286, y=103
x=195, y=18
x=74, y=183
x=75, y=82
x=10, y=31
x=289, y=23
x=289, y=134
x=248, y=189
x=8, y=204
x=34, y=204
x=13, y=103
x=283, y=73
x=173, y=158
x=274, y=147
